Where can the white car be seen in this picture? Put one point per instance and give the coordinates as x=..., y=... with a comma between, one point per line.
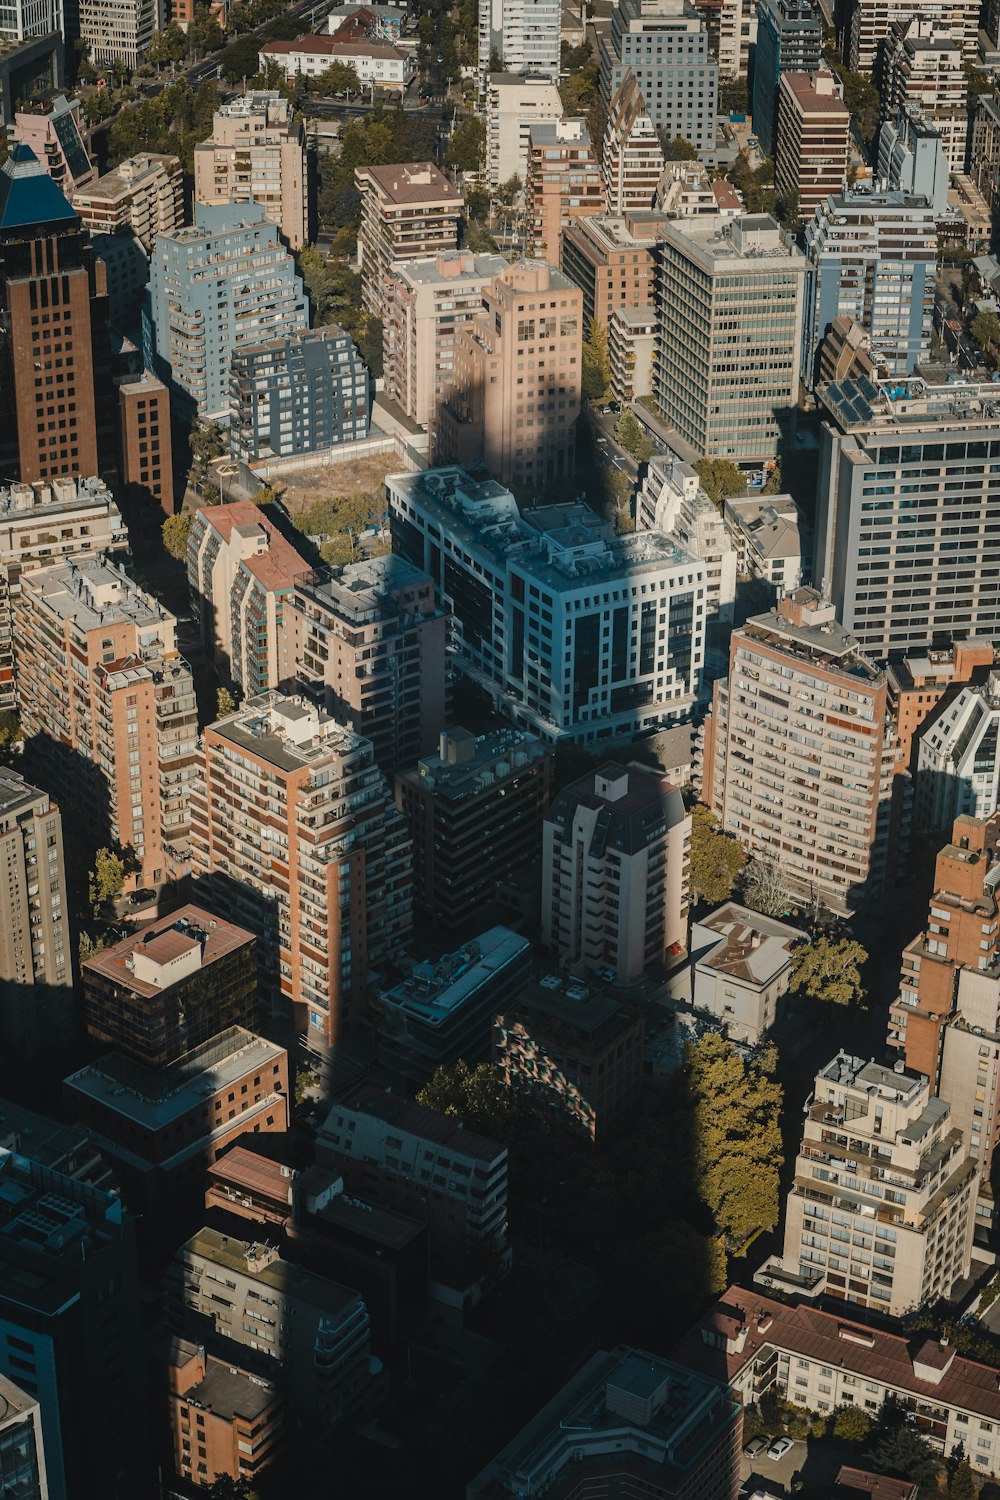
x=779, y=1448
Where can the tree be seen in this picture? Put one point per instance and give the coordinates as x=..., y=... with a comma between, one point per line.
x=773, y=483
x=467, y=147
x=225, y=703
x=736, y=1111
x=720, y=478
x=829, y=969
x=716, y=859
x=962, y=1486
x=787, y=208
x=578, y=90
x=174, y=532
x=985, y=330
x=106, y=879
x=903, y=1452
x=338, y=78
x=852, y=1424
x=765, y=888
x=596, y=366
x=477, y=1096
x=734, y=95
x=204, y=33
x=678, y=148
x=632, y=438
x=477, y=239
x=268, y=494
x=206, y=442
x=10, y=732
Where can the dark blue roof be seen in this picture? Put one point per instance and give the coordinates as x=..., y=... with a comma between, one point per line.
x=28, y=195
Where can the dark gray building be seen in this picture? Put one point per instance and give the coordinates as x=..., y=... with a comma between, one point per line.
x=789, y=40
x=302, y=393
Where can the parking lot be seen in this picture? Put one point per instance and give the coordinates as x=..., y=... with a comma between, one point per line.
x=816, y=1459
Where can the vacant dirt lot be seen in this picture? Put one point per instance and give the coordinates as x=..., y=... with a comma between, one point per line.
x=357, y=476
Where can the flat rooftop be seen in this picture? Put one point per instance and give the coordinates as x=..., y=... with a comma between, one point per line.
x=226, y=1251
x=421, y=182
x=436, y=270
x=287, y=732
x=92, y=593
x=462, y=765
x=231, y=1393
x=53, y=496
x=47, y=1212
x=433, y=994
x=828, y=646
x=416, y=1120
x=574, y=1013
x=365, y=591
x=862, y=406
x=216, y=937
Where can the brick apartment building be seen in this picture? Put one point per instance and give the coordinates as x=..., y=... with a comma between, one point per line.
x=222, y=1419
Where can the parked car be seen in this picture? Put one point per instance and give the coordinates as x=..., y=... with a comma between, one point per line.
x=139, y=898
x=756, y=1445
x=779, y=1448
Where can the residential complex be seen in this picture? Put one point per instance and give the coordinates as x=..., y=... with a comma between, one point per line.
x=257, y=154
x=144, y=194
x=22, y=1454
x=632, y=163
x=563, y=183
x=664, y=43
x=407, y=213
x=958, y=762
x=378, y=64
x=871, y=22
x=814, y=135
x=513, y=105
x=741, y=966
x=518, y=36
x=922, y=65
x=672, y=500
x=789, y=40
x=237, y=1419
x=302, y=393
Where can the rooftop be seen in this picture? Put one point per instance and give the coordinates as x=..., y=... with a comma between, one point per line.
x=750, y=947
x=263, y=1265
x=275, y=564
x=366, y=591
x=18, y=795
x=751, y=237
x=864, y=407
x=465, y=765
x=452, y=266
x=771, y=523
x=13, y=1401
x=432, y=993
x=93, y=592
x=330, y=46
x=45, y=1211
x=29, y=198
x=231, y=1393
x=71, y=492
x=288, y=732
x=827, y=646
x=585, y=1016
x=416, y=1120
x=163, y=939
x=420, y=183
x=127, y=176
x=850, y=1483
x=635, y=806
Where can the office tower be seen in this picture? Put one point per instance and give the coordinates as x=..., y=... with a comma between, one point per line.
x=958, y=760
x=310, y=1336
x=513, y=105
x=871, y=21
x=871, y=257
x=675, y=1434
x=671, y=500
x=303, y=393
x=232, y=1417
x=507, y=573
x=37, y=1010
x=53, y=129
x=515, y=395
x=814, y=136
x=236, y=284
x=611, y=261
x=257, y=154
x=326, y=882
x=891, y=598
x=847, y=1235
x=615, y=886
x=118, y=33
x=741, y=966
x=424, y=304
x=474, y=811
x=55, y=412
x=126, y=271
x=407, y=212
x=631, y=352
x=147, y=461
x=22, y=1454
x=241, y=573
x=789, y=40
x=69, y=1308
x=807, y=783
x=632, y=162
x=922, y=65
x=665, y=45
x=144, y=193
x=912, y=157
x=730, y=300
x=30, y=18
x=518, y=36
x=576, y=1050
x=69, y=517
x=563, y=183
x=442, y=1011
x=370, y=641
x=100, y=680
x=167, y=989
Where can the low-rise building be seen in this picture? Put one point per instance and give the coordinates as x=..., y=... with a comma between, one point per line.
x=144, y=194
x=306, y=392
x=765, y=530
x=378, y=63
x=672, y=500
x=741, y=965
x=223, y=1420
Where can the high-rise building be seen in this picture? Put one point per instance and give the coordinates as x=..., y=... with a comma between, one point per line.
x=424, y=304
x=563, y=183
x=515, y=395
x=53, y=128
x=850, y=1236
x=115, y=32
x=326, y=881
x=665, y=45
x=789, y=40
x=970, y=1073
x=984, y=153
x=673, y=501
x=22, y=1453
x=892, y=598
x=257, y=154
x=632, y=163
x=870, y=22
x=21, y=19
x=513, y=105
x=407, y=213
x=958, y=757
x=147, y=456
x=303, y=393
x=474, y=812
x=814, y=136
x=912, y=157
x=55, y=402
x=370, y=640
x=799, y=751
x=37, y=1010
x=919, y=680
x=241, y=574
x=224, y=281
x=144, y=193
x=611, y=261
x=502, y=574
x=101, y=683
x=730, y=299
x=615, y=887
x=518, y=36
x=737, y=31
x=922, y=65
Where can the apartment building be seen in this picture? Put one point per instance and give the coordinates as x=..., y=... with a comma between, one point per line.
x=302, y=393
x=257, y=154
x=814, y=138
x=664, y=43
x=118, y=33
x=170, y=987
x=474, y=812
x=101, y=680
x=871, y=21
x=326, y=883
x=844, y=353
x=563, y=183
x=632, y=336
x=919, y=680
x=789, y=40
x=307, y=1335
x=53, y=128
x=379, y=64
x=241, y=574
x=741, y=966
x=984, y=150
x=632, y=163
x=958, y=763
x=144, y=194
x=736, y=25
x=882, y=1208
x=514, y=104
x=627, y=1421
x=370, y=640
x=871, y=257
x=22, y=1454
x=147, y=458
x=407, y=213
x=223, y=1420
x=31, y=18
x=615, y=886
x=877, y=443
x=507, y=572
x=37, y=1008
x=922, y=65
x=576, y=1050
x=799, y=751
x=766, y=535
x=223, y=281
x=912, y=157
x=671, y=500
x=520, y=37
x=731, y=301
x=611, y=260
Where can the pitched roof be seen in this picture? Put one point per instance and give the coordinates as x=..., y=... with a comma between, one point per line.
x=28, y=195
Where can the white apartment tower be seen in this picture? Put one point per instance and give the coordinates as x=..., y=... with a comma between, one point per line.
x=518, y=36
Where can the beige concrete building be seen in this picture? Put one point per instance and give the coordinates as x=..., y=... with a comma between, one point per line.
x=922, y=64
x=36, y=971
x=407, y=213
x=257, y=152
x=882, y=1208
x=516, y=393
x=631, y=350
x=633, y=162
x=563, y=183
x=101, y=680
x=145, y=193
x=615, y=884
x=872, y=20
x=424, y=304
x=814, y=132
x=671, y=499
x=741, y=965
x=513, y=104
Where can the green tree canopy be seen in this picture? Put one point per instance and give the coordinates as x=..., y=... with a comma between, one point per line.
x=720, y=478
x=962, y=1485
x=476, y=1095
x=852, y=1424
x=175, y=531
x=737, y=1135
x=901, y=1451
x=106, y=879
x=679, y=148
x=829, y=969
x=477, y=239
x=225, y=703
x=632, y=437
x=10, y=732
x=338, y=78
x=578, y=90
x=467, y=147
x=716, y=858
x=596, y=366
